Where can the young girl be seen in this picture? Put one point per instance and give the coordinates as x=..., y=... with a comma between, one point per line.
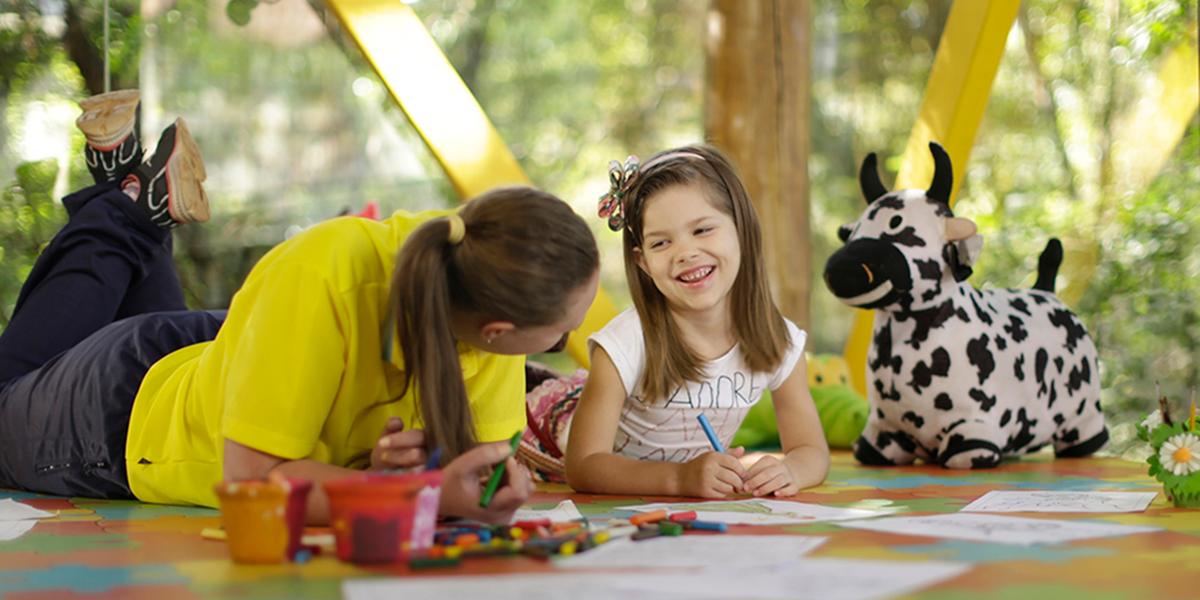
x=336, y=354
x=705, y=338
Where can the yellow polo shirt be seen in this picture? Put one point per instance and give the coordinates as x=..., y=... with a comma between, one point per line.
x=297, y=370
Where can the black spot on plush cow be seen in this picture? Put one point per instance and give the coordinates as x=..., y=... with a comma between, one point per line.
x=956, y=375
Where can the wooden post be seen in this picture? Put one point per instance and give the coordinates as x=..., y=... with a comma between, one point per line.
x=757, y=112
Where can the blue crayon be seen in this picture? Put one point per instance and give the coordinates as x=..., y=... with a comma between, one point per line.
x=707, y=526
x=712, y=435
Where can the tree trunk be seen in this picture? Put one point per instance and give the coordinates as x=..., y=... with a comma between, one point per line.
x=757, y=111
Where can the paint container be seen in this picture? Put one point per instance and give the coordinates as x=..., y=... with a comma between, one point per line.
x=263, y=520
x=380, y=518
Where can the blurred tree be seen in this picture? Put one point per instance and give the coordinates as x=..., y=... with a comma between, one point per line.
x=294, y=129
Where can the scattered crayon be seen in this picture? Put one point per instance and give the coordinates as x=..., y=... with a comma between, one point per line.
x=466, y=539
x=645, y=534
x=707, y=526
x=683, y=516
x=532, y=524
x=648, y=517
x=669, y=528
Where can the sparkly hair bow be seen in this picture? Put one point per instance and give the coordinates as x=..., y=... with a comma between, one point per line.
x=620, y=178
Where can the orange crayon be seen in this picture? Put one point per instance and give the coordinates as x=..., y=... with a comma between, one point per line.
x=648, y=517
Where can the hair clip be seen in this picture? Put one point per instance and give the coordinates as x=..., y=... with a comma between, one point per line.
x=612, y=204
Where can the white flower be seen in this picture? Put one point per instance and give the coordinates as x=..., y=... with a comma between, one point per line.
x=1152, y=420
x=1180, y=454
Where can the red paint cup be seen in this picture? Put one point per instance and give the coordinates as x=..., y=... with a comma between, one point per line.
x=380, y=518
x=263, y=520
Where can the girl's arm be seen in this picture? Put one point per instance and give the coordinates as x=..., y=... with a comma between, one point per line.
x=592, y=467
x=806, y=454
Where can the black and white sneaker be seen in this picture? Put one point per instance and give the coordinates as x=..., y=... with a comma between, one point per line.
x=170, y=183
x=109, y=122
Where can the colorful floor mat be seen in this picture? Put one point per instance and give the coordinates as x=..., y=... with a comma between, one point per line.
x=129, y=550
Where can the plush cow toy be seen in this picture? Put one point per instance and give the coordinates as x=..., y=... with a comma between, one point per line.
x=956, y=375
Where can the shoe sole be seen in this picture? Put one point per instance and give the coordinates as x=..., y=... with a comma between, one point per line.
x=185, y=177
x=108, y=118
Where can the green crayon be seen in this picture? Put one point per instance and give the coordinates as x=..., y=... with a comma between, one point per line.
x=498, y=473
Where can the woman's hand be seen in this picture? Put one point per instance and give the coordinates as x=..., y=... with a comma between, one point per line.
x=398, y=448
x=713, y=474
x=464, y=478
x=771, y=476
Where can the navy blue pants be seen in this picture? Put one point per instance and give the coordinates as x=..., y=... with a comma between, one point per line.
x=102, y=304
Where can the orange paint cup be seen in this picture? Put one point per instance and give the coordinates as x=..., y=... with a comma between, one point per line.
x=263, y=520
x=380, y=518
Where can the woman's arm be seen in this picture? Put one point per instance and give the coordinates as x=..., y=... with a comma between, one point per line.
x=460, y=480
x=243, y=463
x=806, y=454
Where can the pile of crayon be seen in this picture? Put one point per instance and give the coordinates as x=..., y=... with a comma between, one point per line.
x=539, y=538
x=544, y=539
x=658, y=522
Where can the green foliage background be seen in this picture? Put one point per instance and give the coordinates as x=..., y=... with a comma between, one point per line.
x=296, y=129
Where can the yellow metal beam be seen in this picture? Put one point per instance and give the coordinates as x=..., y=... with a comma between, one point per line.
x=1147, y=135
x=444, y=112
x=955, y=98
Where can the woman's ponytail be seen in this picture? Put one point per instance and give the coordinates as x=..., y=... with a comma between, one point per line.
x=421, y=301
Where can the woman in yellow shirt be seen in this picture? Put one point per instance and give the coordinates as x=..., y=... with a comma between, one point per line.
x=354, y=345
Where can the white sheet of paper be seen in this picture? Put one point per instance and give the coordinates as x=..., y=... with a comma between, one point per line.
x=999, y=501
x=11, y=530
x=564, y=512
x=758, y=511
x=695, y=551
x=11, y=510
x=825, y=578
x=995, y=528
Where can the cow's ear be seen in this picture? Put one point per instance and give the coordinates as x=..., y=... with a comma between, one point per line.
x=958, y=228
x=844, y=233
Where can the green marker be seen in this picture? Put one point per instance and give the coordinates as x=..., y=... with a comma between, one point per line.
x=494, y=482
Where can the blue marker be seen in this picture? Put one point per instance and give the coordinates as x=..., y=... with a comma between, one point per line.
x=712, y=435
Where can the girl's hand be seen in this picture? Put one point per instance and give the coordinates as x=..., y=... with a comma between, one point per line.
x=398, y=448
x=464, y=478
x=771, y=476
x=714, y=475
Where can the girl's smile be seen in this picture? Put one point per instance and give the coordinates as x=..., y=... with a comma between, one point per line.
x=697, y=277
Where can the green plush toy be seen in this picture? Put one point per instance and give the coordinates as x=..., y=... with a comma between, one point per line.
x=842, y=410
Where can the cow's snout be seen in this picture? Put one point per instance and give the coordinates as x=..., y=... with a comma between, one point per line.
x=867, y=273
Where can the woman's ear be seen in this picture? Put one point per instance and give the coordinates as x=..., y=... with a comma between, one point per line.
x=494, y=329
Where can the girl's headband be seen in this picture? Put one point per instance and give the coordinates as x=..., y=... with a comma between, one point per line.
x=621, y=178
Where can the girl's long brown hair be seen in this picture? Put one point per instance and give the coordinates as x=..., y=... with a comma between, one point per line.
x=524, y=252
x=758, y=325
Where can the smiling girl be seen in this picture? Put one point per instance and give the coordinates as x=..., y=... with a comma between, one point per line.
x=704, y=337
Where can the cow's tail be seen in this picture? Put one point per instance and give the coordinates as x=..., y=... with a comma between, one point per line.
x=1048, y=264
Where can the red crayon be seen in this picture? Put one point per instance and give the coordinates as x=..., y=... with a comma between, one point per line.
x=683, y=516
